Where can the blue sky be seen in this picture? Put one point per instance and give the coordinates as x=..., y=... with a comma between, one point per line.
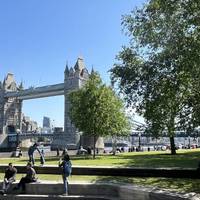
x=37, y=38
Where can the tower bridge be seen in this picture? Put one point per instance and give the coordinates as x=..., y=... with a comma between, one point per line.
x=38, y=92
x=13, y=95
x=15, y=137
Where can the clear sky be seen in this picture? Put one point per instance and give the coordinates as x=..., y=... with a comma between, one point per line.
x=38, y=37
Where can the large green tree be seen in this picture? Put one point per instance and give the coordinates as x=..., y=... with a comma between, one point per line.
x=159, y=72
x=97, y=111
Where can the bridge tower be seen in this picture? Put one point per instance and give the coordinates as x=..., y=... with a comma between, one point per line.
x=10, y=109
x=74, y=78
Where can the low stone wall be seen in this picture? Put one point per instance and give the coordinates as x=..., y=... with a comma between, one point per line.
x=113, y=171
x=103, y=191
x=118, y=192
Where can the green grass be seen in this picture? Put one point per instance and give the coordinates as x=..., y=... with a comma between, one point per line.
x=183, y=159
x=180, y=185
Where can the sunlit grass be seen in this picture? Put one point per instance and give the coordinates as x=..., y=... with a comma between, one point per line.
x=183, y=159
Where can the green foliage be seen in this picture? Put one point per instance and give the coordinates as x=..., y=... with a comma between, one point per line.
x=159, y=72
x=97, y=111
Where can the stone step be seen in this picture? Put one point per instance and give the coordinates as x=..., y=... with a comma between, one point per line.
x=53, y=197
x=94, y=191
x=85, y=189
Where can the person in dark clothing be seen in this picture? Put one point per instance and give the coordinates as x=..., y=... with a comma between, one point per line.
x=31, y=153
x=64, y=152
x=42, y=160
x=66, y=166
x=29, y=178
x=9, y=177
x=57, y=152
x=89, y=151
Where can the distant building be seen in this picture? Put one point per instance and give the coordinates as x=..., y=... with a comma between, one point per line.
x=28, y=125
x=58, y=129
x=47, y=122
x=47, y=125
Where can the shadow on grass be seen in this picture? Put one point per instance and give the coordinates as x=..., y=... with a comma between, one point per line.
x=180, y=185
x=182, y=160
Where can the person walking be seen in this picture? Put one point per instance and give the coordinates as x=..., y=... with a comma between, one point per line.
x=66, y=166
x=31, y=151
x=42, y=160
x=57, y=152
x=29, y=178
x=9, y=178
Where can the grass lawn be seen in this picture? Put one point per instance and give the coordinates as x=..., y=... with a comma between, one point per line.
x=183, y=159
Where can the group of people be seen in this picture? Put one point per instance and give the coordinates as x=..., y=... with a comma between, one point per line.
x=10, y=177
x=11, y=171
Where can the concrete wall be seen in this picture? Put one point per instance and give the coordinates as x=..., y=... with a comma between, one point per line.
x=106, y=191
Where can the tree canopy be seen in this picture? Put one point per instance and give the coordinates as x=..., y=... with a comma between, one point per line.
x=159, y=72
x=97, y=111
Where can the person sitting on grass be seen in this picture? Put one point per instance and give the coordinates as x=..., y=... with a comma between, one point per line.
x=9, y=177
x=29, y=178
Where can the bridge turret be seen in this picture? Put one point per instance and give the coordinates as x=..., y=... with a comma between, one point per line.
x=21, y=87
x=10, y=109
x=74, y=79
x=1, y=85
x=9, y=83
x=79, y=66
x=66, y=70
x=92, y=71
x=85, y=74
x=71, y=72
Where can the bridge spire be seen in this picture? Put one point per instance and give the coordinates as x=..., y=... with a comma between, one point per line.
x=21, y=87
x=92, y=71
x=1, y=85
x=79, y=66
x=71, y=72
x=66, y=69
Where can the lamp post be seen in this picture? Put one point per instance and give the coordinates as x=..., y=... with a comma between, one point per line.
x=188, y=142
x=139, y=141
x=184, y=142
x=17, y=132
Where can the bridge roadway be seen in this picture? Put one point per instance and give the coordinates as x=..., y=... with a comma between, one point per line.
x=38, y=92
x=31, y=135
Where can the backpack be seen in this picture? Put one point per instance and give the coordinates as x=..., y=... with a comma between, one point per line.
x=67, y=168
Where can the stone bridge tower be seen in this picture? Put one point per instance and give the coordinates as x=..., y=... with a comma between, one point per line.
x=10, y=109
x=74, y=79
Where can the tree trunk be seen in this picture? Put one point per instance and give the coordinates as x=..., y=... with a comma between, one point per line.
x=114, y=145
x=94, y=147
x=172, y=144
